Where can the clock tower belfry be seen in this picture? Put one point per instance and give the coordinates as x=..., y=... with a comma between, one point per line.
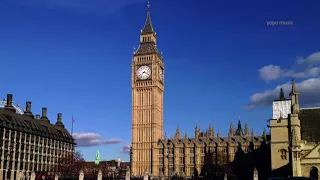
x=147, y=102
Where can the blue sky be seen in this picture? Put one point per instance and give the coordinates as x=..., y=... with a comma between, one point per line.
x=75, y=56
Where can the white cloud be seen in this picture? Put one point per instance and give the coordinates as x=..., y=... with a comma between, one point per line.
x=304, y=68
x=92, y=139
x=270, y=72
x=125, y=148
x=309, y=94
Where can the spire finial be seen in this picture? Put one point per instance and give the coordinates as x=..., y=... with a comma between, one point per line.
x=281, y=95
x=252, y=134
x=147, y=29
x=293, y=88
x=148, y=5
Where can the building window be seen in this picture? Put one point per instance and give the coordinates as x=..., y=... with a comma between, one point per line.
x=202, y=159
x=191, y=171
x=181, y=150
x=202, y=149
x=191, y=160
x=192, y=150
x=170, y=160
x=160, y=160
x=283, y=154
x=161, y=171
x=181, y=169
x=170, y=150
x=160, y=151
x=181, y=160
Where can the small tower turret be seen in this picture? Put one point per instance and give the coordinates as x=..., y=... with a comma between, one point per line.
x=177, y=135
x=239, y=131
x=294, y=98
x=252, y=135
x=246, y=130
x=197, y=132
x=281, y=97
x=211, y=131
x=264, y=134
x=231, y=130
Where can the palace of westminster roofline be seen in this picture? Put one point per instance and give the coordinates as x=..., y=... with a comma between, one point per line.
x=28, y=123
x=234, y=136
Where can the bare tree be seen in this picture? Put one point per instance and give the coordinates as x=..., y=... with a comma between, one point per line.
x=71, y=165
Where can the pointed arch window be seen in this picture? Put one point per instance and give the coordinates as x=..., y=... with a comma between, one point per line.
x=283, y=154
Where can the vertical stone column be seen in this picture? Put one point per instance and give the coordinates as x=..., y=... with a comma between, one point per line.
x=176, y=158
x=197, y=162
x=255, y=174
x=187, y=160
x=166, y=161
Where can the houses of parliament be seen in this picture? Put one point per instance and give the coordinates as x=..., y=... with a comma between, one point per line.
x=290, y=148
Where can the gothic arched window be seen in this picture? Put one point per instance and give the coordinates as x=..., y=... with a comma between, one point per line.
x=283, y=154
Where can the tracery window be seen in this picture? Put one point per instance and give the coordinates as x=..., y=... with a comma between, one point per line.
x=283, y=154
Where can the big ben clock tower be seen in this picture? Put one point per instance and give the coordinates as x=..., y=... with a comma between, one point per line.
x=147, y=102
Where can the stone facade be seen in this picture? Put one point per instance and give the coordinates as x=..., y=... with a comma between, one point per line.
x=188, y=156
x=31, y=144
x=287, y=146
x=153, y=153
x=147, y=101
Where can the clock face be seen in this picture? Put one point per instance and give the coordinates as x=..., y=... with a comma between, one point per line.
x=143, y=72
x=161, y=74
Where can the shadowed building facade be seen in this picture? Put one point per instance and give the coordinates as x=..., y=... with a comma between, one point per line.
x=30, y=143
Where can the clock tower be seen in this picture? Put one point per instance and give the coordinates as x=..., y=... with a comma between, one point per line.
x=147, y=102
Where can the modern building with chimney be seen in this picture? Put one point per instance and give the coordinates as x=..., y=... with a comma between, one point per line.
x=30, y=143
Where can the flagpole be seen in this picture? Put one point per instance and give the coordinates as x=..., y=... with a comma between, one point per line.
x=72, y=126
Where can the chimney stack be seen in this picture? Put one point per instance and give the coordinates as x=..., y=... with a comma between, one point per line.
x=38, y=116
x=9, y=105
x=28, y=110
x=44, y=115
x=59, y=120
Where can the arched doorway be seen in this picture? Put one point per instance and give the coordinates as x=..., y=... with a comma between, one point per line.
x=314, y=172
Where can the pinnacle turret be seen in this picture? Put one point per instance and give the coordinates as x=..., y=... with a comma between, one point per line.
x=148, y=29
x=252, y=135
x=264, y=134
x=210, y=131
x=231, y=130
x=246, y=130
x=177, y=135
x=281, y=97
x=239, y=131
x=294, y=98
